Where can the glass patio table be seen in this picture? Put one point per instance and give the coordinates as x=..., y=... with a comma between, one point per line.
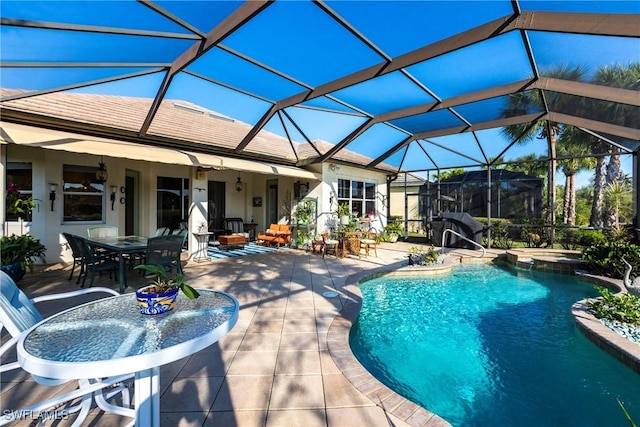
x=121, y=245
x=110, y=337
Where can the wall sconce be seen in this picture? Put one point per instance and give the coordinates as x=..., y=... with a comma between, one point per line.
x=101, y=174
x=333, y=167
x=52, y=193
x=201, y=174
x=114, y=188
x=239, y=184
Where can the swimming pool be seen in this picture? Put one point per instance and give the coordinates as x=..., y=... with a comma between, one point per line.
x=490, y=346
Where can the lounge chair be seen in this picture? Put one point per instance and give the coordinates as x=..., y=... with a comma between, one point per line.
x=276, y=235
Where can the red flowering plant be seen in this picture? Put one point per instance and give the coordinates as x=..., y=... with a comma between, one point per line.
x=19, y=205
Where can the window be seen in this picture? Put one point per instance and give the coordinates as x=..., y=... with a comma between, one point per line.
x=361, y=196
x=83, y=195
x=19, y=192
x=172, y=201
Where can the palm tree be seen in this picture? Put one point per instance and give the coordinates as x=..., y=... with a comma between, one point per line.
x=620, y=76
x=496, y=162
x=449, y=173
x=522, y=103
x=619, y=195
x=530, y=164
x=572, y=147
x=599, y=180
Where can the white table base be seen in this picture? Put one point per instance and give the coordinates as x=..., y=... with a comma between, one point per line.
x=147, y=397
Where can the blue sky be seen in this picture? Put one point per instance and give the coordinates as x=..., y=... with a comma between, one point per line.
x=298, y=39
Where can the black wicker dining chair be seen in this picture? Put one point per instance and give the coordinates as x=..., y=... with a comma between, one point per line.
x=166, y=251
x=77, y=254
x=96, y=260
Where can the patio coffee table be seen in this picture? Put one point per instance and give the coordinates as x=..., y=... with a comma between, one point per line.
x=227, y=242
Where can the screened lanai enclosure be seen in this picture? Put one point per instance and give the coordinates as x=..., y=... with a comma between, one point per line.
x=415, y=86
x=513, y=195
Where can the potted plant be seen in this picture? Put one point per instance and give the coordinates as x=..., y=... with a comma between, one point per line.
x=344, y=213
x=159, y=296
x=393, y=230
x=19, y=206
x=17, y=254
x=304, y=211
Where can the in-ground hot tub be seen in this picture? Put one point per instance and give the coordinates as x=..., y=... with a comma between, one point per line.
x=559, y=261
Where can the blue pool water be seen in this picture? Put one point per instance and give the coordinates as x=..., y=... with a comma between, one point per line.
x=487, y=346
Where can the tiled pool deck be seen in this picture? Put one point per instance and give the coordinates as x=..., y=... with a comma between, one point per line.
x=287, y=361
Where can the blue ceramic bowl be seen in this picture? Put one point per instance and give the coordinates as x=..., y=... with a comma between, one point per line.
x=156, y=303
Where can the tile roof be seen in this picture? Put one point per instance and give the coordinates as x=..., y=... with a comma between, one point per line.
x=176, y=120
x=412, y=180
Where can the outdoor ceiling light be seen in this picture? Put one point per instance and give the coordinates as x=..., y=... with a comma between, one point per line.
x=101, y=174
x=52, y=193
x=239, y=184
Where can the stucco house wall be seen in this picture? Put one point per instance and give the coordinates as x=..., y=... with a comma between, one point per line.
x=47, y=166
x=328, y=193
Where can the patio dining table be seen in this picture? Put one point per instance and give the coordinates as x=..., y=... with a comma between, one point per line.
x=110, y=337
x=121, y=245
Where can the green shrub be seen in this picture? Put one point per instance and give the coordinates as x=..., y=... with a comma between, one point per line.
x=606, y=258
x=573, y=238
x=592, y=237
x=569, y=238
x=500, y=236
x=621, y=307
x=23, y=249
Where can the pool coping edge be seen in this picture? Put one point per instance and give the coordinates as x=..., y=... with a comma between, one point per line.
x=340, y=350
x=413, y=414
x=604, y=337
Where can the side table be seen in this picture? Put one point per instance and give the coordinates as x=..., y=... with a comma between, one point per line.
x=201, y=253
x=250, y=227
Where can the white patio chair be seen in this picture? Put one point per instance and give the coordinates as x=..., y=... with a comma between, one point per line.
x=17, y=315
x=102, y=231
x=162, y=231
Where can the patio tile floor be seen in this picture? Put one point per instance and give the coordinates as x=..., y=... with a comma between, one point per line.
x=275, y=367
